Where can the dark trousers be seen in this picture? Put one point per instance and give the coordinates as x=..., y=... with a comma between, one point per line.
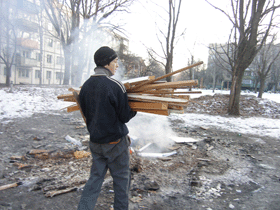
x=114, y=157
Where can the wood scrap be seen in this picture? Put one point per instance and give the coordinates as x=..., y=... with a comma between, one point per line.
x=59, y=192
x=149, y=94
x=167, y=75
x=8, y=186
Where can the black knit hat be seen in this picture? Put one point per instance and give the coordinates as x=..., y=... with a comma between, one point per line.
x=104, y=55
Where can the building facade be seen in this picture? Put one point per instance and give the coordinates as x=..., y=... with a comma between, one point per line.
x=36, y=54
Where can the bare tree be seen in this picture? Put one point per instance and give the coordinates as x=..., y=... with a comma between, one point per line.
x=66, y=18
x=275, y=74
x=168, y=47
x=8, y=40
x=248, y=35
x=154, y=68
x=264, y=62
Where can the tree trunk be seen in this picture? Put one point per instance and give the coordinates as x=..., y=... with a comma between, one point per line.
x=234, y=98
x=256, y=86
x=168, y=67
x=214, y=81
x=262, y=81
x=8, y=75
x=67, y=56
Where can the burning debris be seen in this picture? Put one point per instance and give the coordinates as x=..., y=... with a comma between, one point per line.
x=150, y=95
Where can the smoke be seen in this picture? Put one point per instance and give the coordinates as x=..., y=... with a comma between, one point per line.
x=150, y=128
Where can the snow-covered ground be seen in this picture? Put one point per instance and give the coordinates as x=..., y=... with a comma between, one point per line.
x=26, y=100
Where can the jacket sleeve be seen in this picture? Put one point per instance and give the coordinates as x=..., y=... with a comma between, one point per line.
x=122, y=107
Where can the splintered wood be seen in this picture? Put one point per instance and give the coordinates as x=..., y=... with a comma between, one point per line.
x=148, y=94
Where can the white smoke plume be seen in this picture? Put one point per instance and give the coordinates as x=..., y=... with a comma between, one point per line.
x=150, y=128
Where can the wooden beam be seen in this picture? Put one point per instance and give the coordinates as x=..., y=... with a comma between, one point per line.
x=137, y=81
x=166, y=85
x=65, y=96
x=175, y=107
x=133, y=104
x=154, y=111
x=70, y=99
x=76, y=96
x=7, y=186
x=72, y=108
x=147, y=105
x=181, y=96
x=156, y=92
x=167, y=75
x=175, y=101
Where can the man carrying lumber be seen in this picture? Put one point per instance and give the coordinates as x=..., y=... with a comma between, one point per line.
x=104, y=103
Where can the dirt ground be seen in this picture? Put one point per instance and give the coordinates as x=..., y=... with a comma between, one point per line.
x=222, y=171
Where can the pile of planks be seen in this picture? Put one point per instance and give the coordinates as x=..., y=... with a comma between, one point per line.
x=150, y=94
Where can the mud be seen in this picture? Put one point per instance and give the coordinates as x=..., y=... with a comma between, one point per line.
x=223, y=171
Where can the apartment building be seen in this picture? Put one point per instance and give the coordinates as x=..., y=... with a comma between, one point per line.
x=38, y=54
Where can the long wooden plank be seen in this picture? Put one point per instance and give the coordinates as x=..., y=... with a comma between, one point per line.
x=147, y=105
x=166, y=85
x=65, y=96
x=181, y=96
x=175, y=101
x=156, y=92
x=154, y=111
x=76, y=96
x=138, y=80
x=70, y=99
x=73, y=108
x=134, y=106
x=175, y=107
x=167, y=75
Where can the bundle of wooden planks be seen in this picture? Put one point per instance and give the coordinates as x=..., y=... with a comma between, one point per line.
x=149, y=94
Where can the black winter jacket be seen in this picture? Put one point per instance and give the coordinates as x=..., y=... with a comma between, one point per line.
x=104, y=104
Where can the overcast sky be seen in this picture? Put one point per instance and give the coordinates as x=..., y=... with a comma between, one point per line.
x=202, y=25
x=202, y=22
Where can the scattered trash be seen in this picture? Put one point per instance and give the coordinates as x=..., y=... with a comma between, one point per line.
x=73, y=141
x=136, y=199
x=152, y=185
x=183, y=139
x=204, y=128
x=58, y=192
x=231, y=206
x=17, y=157
x=194, y=147
x=146, y=146
x=210, y=148
x=157, y=155
x=81, y=154
x=7, y=186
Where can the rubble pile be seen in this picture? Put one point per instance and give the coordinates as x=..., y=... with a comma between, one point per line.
x=249, y=106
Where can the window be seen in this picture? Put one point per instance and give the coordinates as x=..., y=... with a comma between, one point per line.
x=49, y=58
x=23, y=73
x=50, y=25
x=50, y=42
x=26, y=54
x=49, y=74
x=58, y=75
x=38, y=56
x=5, y=71
x=37, y=74
x=59, y=60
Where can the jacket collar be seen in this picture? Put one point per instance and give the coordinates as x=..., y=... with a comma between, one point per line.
x=102, y=71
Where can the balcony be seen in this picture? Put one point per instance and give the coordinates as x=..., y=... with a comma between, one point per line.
x=28, y=62
x=26, y=25
x=27, y=6
x=28, y=43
